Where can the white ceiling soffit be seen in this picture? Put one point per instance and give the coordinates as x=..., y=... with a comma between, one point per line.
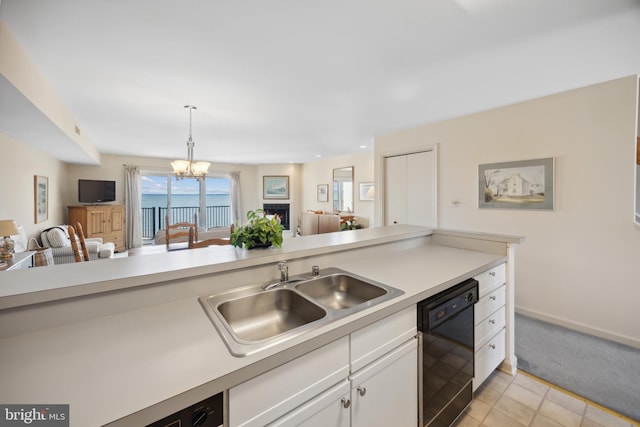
x=277, y=81
x=23, y=121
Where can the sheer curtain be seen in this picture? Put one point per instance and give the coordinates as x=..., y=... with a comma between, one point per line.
x=236, y=205
x=132, y=200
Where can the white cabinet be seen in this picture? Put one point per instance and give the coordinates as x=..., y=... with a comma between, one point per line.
x=385, y=392
x=409, y=189
x=490, y=322
x=263, y=399
x=366, y=379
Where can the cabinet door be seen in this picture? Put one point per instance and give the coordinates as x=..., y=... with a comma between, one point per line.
x=331, y=408
x=96, y=222
x=385, y=393
x=117, y=220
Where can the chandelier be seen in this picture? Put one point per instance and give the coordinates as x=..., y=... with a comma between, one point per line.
x=188, y=168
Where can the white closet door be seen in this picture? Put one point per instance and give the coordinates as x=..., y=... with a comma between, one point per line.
x=421, y=189
x=395, y=196
x=410, y=189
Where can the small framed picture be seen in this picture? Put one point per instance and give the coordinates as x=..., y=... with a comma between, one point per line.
x=323, y=192
x=366, y=191
x=275, y=187
x=40, y=198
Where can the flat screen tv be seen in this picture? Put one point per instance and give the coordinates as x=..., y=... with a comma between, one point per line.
x=94, y=191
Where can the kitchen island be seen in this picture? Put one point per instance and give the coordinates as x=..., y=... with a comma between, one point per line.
x=126, y=342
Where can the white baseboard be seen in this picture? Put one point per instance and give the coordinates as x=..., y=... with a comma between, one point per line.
x=580, y=327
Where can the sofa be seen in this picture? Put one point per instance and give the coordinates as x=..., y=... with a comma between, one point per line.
x=57, y=238
x=203, y=234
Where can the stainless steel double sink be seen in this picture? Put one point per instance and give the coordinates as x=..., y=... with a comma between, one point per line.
x=253, y=318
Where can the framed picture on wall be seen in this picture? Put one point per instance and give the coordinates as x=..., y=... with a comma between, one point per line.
x=323, y=192
x=524, y=184
x=40, y=198
x=275, y=187
x=366, y=191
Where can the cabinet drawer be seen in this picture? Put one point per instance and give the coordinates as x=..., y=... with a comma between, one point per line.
x=263, y=399
x=324, y=410
x=489, y=304
x=371, y=342
x=491, y=279
x=488, y=358
x=489, y=326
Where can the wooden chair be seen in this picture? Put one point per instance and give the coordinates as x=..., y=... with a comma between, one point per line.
x=83, y=244
x=194, y=243
x=74, y=244
x=180, y=229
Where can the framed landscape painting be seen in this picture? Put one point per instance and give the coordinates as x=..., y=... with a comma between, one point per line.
x=275, y=187
x=524, y=184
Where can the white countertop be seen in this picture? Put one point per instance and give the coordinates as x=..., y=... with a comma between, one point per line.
x=113, y=366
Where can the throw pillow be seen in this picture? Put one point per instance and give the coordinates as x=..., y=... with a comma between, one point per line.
x=57, y=238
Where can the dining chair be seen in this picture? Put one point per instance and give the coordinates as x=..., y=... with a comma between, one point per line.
x=74, y=244
x=180, y=230
x=194, y=243
x=83, y=244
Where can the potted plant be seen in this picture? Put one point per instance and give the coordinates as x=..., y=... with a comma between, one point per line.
x=258, y=232
x=351, y=224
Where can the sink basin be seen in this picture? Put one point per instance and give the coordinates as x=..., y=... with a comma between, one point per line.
x=340, y=291
x=268, y=314
x=254, y=318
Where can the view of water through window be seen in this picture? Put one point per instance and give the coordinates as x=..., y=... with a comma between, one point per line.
x=185, y=201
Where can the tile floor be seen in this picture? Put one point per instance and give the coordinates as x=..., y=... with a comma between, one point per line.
x=523, y=400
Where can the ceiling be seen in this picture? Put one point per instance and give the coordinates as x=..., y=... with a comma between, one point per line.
x=287, y=81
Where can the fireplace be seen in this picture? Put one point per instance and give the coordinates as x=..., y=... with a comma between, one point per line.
x=281, y=209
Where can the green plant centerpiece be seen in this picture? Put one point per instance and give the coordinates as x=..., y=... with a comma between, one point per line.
x=258, y=232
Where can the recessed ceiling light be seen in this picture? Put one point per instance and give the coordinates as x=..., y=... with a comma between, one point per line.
x=318, y=155
x=363, y=146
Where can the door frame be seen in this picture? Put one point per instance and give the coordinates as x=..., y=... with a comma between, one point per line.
x=380, y=179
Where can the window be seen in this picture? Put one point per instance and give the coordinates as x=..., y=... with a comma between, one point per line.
x=181, y=199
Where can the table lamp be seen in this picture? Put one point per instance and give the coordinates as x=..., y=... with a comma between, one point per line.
x=7, y=229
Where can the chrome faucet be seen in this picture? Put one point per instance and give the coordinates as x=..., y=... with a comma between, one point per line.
x=284, y=271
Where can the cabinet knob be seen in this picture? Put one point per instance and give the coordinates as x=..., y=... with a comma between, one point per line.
x=492, y=346
x=492, y=273
x=362, y=391
x=492, y=321
x=345, y=402
x=492, y=297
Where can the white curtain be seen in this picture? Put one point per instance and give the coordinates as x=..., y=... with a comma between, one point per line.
x=133, y=203
x=236, y=205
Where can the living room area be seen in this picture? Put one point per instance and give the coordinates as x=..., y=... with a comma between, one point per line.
x=20, y=204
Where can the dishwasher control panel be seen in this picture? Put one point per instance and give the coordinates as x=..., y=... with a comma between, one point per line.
x=208, y=413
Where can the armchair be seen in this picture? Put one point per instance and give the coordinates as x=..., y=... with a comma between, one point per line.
x=57, y=238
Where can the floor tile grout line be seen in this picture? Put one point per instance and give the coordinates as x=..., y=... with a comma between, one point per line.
x=584, y=399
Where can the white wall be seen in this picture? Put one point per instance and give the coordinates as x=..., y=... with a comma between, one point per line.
x=321, y=172
x=579, y=266
x=19, y=163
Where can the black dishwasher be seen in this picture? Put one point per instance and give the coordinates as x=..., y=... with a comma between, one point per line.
x=446, y=323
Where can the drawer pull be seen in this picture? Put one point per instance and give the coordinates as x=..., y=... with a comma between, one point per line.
x=492, y=273
x=362, y=391
x=492, y=346
x=345, y=402
x=492, y=321
x=492, y=297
